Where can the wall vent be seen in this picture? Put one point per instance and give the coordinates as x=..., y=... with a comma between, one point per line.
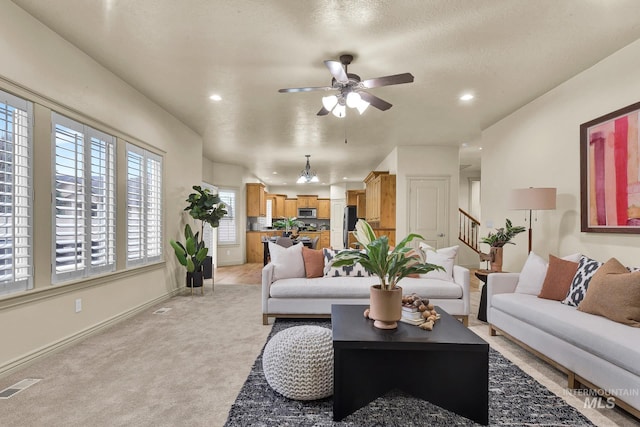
x=18, y=387
x=162, y=310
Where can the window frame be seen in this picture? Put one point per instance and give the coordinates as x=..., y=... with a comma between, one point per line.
x=231, y=216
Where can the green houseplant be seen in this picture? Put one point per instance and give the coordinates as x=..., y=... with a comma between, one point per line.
x=287, y=224
x=206, y=207
x=496, y=241
x=390, y=265
x=191, y=255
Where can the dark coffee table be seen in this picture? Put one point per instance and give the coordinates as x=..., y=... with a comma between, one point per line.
x=448, y=366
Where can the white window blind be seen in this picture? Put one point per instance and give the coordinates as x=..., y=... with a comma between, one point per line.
x=84, y=203
x=227, y=231
x=16, y=142
x=144, y=206
x=209, y=233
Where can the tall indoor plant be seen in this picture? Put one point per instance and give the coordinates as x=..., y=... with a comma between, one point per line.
x=390, y=265
x=497, y=240
x=206, y=207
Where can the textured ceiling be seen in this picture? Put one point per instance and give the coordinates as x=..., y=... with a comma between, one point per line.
x=178, y=53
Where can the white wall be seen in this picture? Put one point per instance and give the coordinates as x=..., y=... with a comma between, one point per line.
x=539, y=146
x=231, y=177
x=40, y=64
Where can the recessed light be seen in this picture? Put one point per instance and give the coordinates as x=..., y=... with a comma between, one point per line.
x=465, y=145
x=215, y=97
x=275, y=173
x=479, y=148
x=466, y=97
x=344, y=177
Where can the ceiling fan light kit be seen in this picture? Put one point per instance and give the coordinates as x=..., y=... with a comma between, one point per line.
x=307, y=175
x=351, y=89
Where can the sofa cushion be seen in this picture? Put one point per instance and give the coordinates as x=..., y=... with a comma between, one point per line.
x=558, y=279
x=532, y=275
x=355, y=270
x=358, y=287
x=580, y=283
x=614, y=293
x=615, y=342
x=313, y=262
x=444, y=257
x=287, y=262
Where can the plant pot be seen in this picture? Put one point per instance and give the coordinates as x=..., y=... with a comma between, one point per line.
x=195, y=279
x=496, y=258
x=207, y=267
x=385, y=307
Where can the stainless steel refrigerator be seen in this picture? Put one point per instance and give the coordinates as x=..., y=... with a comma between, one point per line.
x=349, y=223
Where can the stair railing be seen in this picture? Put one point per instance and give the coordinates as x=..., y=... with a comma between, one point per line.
x=468, y=229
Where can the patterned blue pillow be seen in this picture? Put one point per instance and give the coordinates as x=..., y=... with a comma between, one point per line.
x=355, y=270
x=586, y=269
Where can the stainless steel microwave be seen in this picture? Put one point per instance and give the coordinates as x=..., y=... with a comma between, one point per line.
x=307, y=213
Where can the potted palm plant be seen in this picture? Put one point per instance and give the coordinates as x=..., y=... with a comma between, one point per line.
x=288, y=224
x=497, y=240
x=390, y=265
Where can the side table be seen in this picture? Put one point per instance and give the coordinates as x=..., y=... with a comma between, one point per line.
x=482, y=308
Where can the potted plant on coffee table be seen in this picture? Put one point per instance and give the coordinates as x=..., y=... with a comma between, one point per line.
x=497, y=240
x=390, y=265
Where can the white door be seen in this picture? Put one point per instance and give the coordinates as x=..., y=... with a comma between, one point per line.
x=337, y=221
x=429, y=209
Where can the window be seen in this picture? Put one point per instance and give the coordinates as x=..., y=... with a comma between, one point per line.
x=84, y=203
x=144, y=206
x=227, y=234
x=16, y=136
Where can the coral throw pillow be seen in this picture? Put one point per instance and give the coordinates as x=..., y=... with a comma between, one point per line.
x=313, y=262
x=557, y=282
x=614, y=293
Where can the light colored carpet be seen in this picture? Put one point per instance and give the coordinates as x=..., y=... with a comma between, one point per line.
x=186, y=367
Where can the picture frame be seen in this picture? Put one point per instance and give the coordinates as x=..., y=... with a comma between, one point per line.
x=610, y=172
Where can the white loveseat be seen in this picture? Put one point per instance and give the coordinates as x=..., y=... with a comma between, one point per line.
x=592, y=350
x=299, y=296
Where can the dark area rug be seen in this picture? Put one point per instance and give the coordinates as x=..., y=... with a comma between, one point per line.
x=515, y=399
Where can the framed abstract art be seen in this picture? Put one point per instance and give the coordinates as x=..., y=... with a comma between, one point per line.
x=610, y=172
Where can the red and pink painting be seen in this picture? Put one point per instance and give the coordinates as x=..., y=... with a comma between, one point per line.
x=610, y=172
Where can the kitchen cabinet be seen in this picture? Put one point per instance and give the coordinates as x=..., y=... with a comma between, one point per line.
x=290, y=208
x=381, y=200
x=256, y=200
x=358, y=198
x=307, y=201
x=324, y=209
x=255, y=247
x=277, y=205
x=325, y=239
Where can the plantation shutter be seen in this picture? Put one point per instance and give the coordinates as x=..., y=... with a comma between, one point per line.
x=84, y=201
x=16, y=142
x=227, y=231
x=144, y=206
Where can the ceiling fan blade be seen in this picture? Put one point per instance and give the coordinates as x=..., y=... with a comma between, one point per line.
x=336, y=70
x=323, y=112
x=379, y=103
x=396, y=79
x=304, y=89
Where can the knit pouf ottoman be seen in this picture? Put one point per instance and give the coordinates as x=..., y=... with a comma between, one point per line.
x=298, y=362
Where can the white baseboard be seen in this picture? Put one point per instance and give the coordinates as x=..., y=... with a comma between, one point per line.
x=34, y=356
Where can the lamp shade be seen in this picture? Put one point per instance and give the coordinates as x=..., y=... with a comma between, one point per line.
x=532, y=199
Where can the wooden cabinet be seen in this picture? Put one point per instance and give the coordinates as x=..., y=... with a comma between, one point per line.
x=325, y=239
x=305, y=201
x=389, y=232
x=290, y=208
x=358, y=198
x=324, y=209
x=254, y=246
x=277, y=205
x=381, y=200
x=256, y=200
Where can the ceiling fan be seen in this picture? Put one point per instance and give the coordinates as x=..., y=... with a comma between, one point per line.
x=351, y=89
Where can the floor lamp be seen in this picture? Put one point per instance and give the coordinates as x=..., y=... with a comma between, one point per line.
x=532, y=199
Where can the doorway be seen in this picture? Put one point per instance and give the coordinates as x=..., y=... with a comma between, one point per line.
x=429, y=209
